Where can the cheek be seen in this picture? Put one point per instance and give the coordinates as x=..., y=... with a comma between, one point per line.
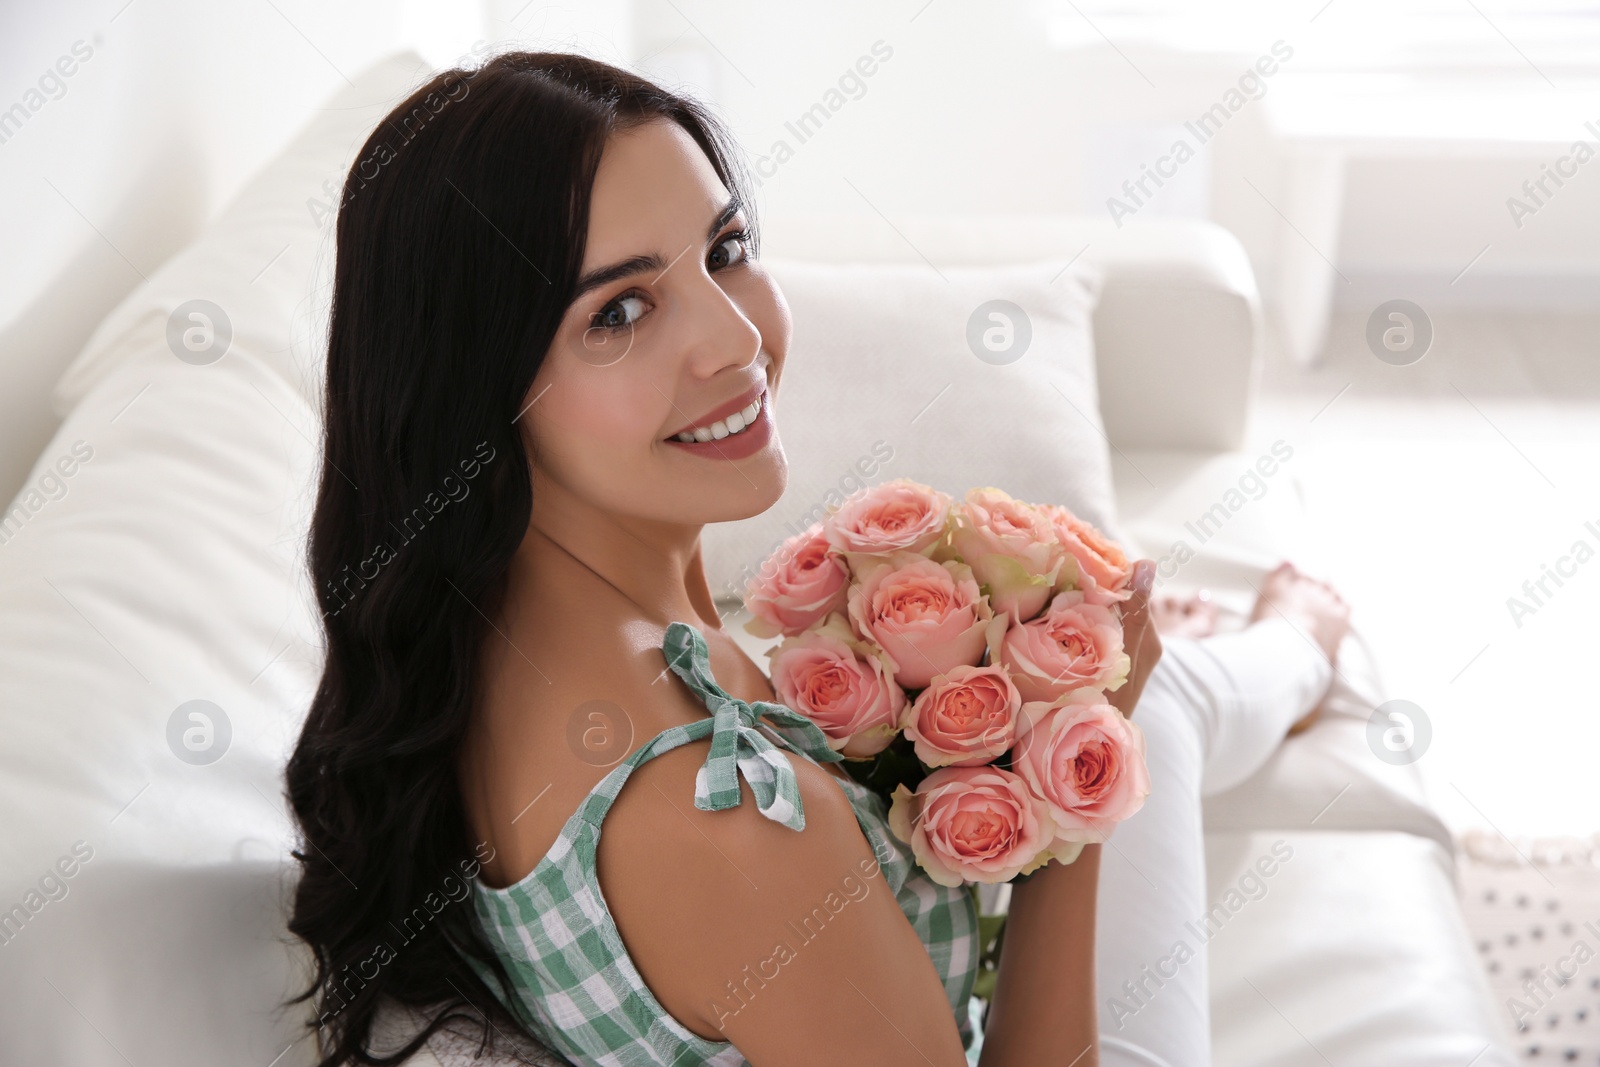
x=597, y=422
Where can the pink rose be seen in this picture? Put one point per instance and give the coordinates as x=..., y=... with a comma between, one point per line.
x=1012, y=549
x=840, y=684
x=1085, y=759
x=800, y=583
x=974, y=824
x=1074, y=643
x=1102, y=567
x=927, y=617
x=897, y=516
x=965, y=718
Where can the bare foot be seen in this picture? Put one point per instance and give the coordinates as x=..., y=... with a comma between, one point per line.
x=1313, y=607
x=1191, y=616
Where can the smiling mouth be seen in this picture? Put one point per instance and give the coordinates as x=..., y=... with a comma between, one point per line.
x=728, y=426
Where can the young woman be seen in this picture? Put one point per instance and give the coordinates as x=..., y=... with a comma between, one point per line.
x=546, y=283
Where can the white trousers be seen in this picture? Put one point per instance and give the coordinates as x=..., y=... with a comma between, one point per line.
x=1212, y=712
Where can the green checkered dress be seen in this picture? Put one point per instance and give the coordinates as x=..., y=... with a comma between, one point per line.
x=575, y=985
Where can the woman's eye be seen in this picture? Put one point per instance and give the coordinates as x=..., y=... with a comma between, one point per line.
x=621, y=313
x=731, y=250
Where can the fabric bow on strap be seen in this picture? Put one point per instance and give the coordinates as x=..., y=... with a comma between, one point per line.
x=736, y=745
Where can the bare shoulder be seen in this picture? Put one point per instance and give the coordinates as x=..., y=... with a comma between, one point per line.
x=558, y=712
x=748, y=931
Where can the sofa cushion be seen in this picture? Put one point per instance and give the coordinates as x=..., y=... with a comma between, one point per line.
x=1352, y=951
x=1176, y=325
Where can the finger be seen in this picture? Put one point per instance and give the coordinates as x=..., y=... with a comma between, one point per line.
x=1144, y=573
x=1136, y=621
x=1141, y=581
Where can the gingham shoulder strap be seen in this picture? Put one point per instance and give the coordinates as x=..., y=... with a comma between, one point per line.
x=736, y=745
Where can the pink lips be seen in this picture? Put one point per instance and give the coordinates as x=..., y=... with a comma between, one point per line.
x=753, y=438
x=722, y=411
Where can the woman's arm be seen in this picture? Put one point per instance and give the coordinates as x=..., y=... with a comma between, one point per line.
x=789, y=944
x=1044, y=998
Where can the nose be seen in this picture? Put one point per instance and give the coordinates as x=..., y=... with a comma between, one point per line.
x=720, y=334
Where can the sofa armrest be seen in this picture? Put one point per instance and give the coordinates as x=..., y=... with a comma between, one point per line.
x=1178, y=324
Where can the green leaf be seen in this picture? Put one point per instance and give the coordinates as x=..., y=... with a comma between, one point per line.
x=983, y=987
x=991, y=934
x=895, y=765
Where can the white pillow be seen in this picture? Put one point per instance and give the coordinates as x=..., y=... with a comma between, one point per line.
x=891, y=375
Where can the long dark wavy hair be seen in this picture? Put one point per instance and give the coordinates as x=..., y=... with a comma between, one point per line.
x=460, y=240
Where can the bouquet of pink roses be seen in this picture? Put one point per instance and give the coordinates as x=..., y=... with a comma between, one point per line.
x=957, y=654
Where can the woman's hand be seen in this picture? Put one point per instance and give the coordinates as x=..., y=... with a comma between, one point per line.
x=1139, y=638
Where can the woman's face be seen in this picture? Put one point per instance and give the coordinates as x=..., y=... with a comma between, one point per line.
x=675, y=327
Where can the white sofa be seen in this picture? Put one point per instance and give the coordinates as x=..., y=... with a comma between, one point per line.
x=168, y=571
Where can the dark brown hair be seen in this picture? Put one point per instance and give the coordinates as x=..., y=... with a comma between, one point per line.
x=460, y=239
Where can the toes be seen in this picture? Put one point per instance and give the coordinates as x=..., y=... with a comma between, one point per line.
x=1166, y=605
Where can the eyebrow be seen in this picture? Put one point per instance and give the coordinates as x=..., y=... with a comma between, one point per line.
x=653, y=262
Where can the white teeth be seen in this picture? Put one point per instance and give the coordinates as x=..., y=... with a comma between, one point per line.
x=738, y=422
